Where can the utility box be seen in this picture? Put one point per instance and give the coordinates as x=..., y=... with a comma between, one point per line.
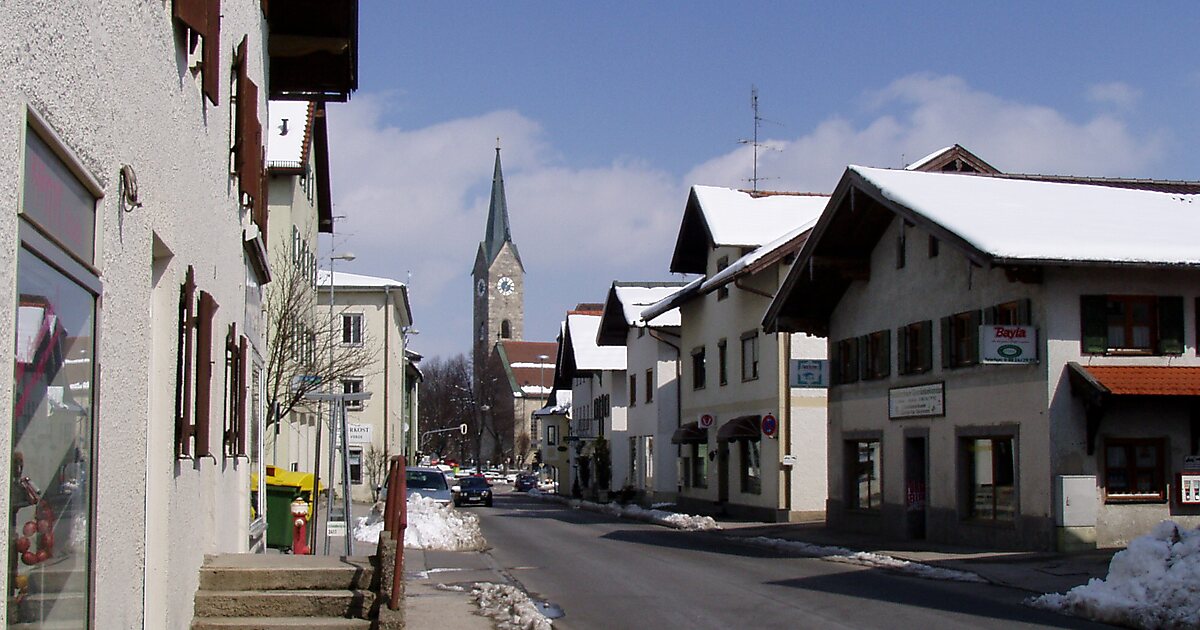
x=1075, y=502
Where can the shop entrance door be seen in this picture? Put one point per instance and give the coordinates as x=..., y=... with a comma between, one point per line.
x=915, y=488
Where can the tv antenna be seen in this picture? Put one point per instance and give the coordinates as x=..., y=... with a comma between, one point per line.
x=758, y=120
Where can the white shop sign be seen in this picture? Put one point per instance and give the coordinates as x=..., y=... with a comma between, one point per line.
x=359, y=433
x=917, y=402
x=1007, y=344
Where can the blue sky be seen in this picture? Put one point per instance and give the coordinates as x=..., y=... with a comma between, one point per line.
x=608, y=112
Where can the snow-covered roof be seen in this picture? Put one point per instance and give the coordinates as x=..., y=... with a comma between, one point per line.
x=589, y=355
x=928, y=158
x=343, y=279
x=736, y=217
x=635, y=299
x=289, y=147
x=738, y=266
x=1021, y=220
x=672, y=301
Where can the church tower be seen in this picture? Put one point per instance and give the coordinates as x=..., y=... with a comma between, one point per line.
x=498, y=280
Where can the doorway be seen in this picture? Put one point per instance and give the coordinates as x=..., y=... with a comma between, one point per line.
x=916, y=464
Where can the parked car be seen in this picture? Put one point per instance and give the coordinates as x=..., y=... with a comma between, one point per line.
x=427, y=482
x=525, y=482
x=473, y=490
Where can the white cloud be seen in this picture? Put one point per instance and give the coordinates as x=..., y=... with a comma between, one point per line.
x=921, y=113
x=417, y=198
x=1121, y=95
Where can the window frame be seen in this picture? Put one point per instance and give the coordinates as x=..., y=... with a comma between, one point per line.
x=356, y=470
x=633, y=390
x=699, y=369
x=551, y=435
x=649, y=385
x=723, y=362
x=875, y=361
x=1159, y=472
x=914, y=347
x=852, y=448
x=960, y=339
x=353, y=405
x=968, y=500
x=347, y=318
x=752, y=337
x=1165, y=325
x=698, y=474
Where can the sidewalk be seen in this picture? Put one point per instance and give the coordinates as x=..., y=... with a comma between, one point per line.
x=428, y=607
x=1036, y=572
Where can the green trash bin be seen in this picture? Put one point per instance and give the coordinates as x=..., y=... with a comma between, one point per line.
x=279, y=514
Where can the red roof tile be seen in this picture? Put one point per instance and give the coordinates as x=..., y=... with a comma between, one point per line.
x=1130, y=380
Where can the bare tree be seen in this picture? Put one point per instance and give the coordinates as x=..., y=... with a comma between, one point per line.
x=375, y=462
x=305, y=352
x=447, y=402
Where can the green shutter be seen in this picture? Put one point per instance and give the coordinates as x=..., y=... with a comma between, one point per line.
x=835, y=364
x=1170, y=325
x=1093, y=311
x=973, y=336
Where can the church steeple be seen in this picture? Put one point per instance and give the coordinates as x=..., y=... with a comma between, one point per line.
x=498, y=232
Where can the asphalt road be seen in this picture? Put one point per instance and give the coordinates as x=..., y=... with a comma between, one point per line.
x=609, y=573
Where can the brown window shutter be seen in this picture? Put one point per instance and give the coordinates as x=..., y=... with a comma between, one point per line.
x=243, y=383
x=232, y=385
x=206, y=311
x=183, y=367
x=239, y=119
x=193, y=14
x=211, y=70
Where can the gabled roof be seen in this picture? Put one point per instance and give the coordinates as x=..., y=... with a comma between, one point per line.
x=993, y=221
x=719, y=217
x=624, y=306
x=580, y=352
x=351, y=282
x=952, y=159
x=528, y=373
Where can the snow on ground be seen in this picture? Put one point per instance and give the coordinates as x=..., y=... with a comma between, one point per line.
x=430, y=526
x=1153, y=583
x=509, y=606
x=689, y=522
x=863, y=558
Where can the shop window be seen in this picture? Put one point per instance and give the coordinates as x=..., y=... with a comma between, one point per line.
x=750, y=356
x=699, y=467
x=863, y=474
x=650, y=385
x=990, y=468
x=1131, y=324
x=633, y=390
x=722, y=370
x=356, y=453
x=960, y=339
x=876, y=354
x=353, y=385
x=751, y=468
x=352, y=329
x=1134, y=470
x=915, y=346
x=723, y=290
x=843, y=360
x=698, y=375
x=202, y=22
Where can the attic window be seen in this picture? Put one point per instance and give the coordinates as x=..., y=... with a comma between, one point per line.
x=201, y=19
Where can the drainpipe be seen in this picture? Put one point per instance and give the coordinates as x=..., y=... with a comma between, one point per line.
x=738, y=283
x=786, y=414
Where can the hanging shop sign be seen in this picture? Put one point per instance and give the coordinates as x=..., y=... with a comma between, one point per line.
x=808, y=373
x=1007, y=344
x=917, y=402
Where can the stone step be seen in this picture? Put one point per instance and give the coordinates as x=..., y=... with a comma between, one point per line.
x=266, y=572
x=281, y=603
x=279, y=623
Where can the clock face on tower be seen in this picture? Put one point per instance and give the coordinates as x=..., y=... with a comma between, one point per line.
x=506, y=286
x=481, y=287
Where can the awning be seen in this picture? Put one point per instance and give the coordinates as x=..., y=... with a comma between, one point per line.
x=690, y=433
x=1096, y=385
x=742, y=428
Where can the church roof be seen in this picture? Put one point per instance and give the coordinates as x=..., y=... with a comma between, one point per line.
x=528, y=373
x=498, y=231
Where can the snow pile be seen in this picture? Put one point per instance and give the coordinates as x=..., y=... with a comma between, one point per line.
x=689, y=522
x=1154, y=583
x=509, y=606
x=430, y=526
x=864, y=558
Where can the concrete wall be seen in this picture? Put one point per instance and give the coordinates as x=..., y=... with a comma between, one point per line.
x=112, y=80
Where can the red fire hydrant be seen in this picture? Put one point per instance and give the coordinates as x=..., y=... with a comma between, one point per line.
x=300, y=527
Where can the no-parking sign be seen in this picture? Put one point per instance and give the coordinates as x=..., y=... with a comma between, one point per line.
x=770, y=425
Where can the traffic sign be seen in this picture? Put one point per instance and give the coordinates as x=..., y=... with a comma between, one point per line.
x=770, y=426
x=706, y=421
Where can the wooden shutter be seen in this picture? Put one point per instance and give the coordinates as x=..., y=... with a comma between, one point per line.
x=1170, y=325
x=183, y=366
x=210, y=79
x=885, y=349
x=835, y=363
x=975, y=321
x=926, y=339
x=1093, y=315
x=852, y=352
x=206, y=311
x=194, y=15
x=1025, y=312
x=947, y=336
x=243, y=386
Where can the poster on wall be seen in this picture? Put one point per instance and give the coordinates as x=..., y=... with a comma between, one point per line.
x=917, y=402
x=1007, y=344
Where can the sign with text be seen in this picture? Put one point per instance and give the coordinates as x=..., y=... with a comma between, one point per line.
x=917, y=402
x=1007, y=344
x=808, y=373
x=358, y=433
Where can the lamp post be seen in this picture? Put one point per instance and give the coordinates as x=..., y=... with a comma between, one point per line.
x=346, y=256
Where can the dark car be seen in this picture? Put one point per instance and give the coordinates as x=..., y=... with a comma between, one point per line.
x=473, y=490
x=525, y=482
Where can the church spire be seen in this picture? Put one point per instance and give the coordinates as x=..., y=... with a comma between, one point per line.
x=498, y=232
